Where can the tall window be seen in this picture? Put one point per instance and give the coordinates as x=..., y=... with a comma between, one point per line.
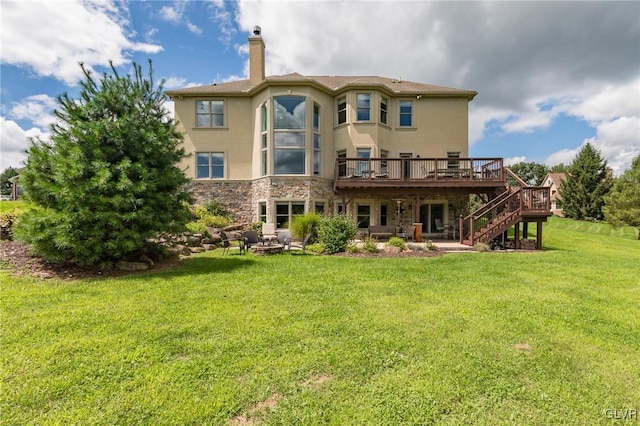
x=209, y=113
x=364, y=106
x=384, y=214
x=406, y=113
x=263, y=140
x=453, y=164
x=342, y=110
x=289, y=135
x=262, y=212
x=209, y=165
x=316, y=139
x=364, y=216
x=342, y=164
x=383, y=110
x=319, y=208
x=363, y=166
x=286, y=211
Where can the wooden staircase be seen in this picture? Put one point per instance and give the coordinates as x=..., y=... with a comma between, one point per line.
x=518, y=203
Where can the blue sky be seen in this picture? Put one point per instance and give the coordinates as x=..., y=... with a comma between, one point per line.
x=551, y=76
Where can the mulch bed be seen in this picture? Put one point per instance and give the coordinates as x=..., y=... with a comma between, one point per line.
x=17, y=257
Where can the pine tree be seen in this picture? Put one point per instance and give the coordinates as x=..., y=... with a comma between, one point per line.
x=588, y=181
x=622, y=205
x=107, y=180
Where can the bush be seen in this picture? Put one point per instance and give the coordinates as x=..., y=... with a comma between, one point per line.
x=396, y=242
x=197, y=227
x=335, y=233
x=353, y=249
x=430, y=246
x=7, y=219
x=482, y=247
x=307, y=224
x=316, y=248
x=214, y=221
x=370, y=245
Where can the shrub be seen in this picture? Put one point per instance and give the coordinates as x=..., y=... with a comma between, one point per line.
x=482, y=247
x=370, y=245
x=7, y=219
x=335, y=233
x=396, y=242
x=430, y=246
x=316, y=248
x=353, y=249
x=307, y=224
x=197, y=227
x=215, y=221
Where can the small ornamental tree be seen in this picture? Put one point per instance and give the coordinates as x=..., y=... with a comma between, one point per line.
x=622, y=205
x=335, y=233
x=108, y=179
x=588, y=181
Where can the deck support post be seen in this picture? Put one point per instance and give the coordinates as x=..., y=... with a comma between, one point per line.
x=516, y=236
x=539, y=236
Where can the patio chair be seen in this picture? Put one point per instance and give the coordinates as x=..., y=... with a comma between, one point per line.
x=225, y=242
x=250, y=238
x=284, y=239
x=269, y=232
x=302, y=245
x=440, y=227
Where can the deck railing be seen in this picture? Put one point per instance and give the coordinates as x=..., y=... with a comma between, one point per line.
x=419, y=169
x=501, y=212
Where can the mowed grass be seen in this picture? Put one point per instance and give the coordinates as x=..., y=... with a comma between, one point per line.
x=549, y=337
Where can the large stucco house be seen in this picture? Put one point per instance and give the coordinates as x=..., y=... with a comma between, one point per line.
x=388, y=152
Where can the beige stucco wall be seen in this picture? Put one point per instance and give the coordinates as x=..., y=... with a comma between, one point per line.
x=235, y=139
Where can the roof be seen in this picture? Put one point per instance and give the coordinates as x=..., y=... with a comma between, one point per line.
x=329, y=84
x=557, y=178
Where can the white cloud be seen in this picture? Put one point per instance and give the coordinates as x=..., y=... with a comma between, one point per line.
x=513, y=160
x=51, y=40
x=171, y=14
x=14, y=143
x=194, y=28
x=529, y=63
x=38, y=109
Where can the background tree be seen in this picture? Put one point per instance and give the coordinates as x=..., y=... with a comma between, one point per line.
x=588, y=181
x=532, y=173
x=622, y=204
x=5, y=185
x=107, y=180
x=559, y=168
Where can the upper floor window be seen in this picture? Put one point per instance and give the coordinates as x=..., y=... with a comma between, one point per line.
x=209, y=165
x=406, y=114
x=263, y=140
x=364, y=106
x=316, y=139
x=383, y=110
x=210, y=113
x=342, y=110
x=289, y=135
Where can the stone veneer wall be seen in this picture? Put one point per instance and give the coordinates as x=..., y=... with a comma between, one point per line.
x=241, y=197
x=232, y=195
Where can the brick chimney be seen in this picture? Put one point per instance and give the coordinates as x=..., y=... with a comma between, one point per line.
x=256, y=56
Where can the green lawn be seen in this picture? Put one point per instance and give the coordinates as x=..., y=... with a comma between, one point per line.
x=542, y=338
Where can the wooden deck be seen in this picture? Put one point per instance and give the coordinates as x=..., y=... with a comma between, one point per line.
x=460, y=175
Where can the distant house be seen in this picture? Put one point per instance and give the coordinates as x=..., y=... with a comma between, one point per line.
x=553, y=181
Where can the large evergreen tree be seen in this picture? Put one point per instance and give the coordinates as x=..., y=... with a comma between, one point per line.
x=622, y=205
x=108, y=179
x=588, y=181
